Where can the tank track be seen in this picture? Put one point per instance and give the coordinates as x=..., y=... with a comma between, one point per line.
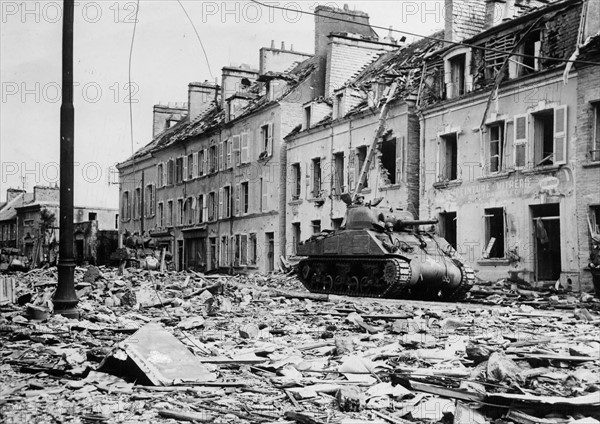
x=377, y=277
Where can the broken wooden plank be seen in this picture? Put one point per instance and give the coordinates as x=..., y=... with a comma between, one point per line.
x=186, y=416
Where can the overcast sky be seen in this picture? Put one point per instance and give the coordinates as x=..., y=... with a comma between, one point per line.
x=166, y=56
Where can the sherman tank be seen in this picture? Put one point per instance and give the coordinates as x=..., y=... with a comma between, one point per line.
x=383, y=253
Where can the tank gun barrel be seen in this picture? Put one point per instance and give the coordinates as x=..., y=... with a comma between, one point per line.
x=407, y=222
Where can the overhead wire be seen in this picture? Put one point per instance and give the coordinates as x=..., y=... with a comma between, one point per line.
x=428, y=37
x=199, y=39
x=137, y=8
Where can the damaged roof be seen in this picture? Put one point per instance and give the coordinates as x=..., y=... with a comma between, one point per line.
x=214, y=117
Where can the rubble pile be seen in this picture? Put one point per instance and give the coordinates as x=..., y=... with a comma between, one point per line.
x=187, y=347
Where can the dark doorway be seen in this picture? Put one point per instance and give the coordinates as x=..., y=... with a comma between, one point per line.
x=546, y=232
x=270, y=245
x=180, y=262
x=448, y=227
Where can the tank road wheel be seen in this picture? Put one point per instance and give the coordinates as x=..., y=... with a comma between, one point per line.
x=353, y=286
x=328, y=283
x=315, y=282
x=364, y=285
x=305, y=272
x=337, y=282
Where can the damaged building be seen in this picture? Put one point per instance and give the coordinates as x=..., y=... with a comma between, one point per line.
x=207, y=187
x=507, y=146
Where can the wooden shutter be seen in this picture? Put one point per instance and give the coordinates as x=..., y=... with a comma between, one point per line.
x=265, y=195
x=204, y=209
x=520, y=141
x=238, y=191
x=309, y=178
x=244, y=156
x=560, y=135
x=236, y=149
x=351, y=167
x=164, y=171
x=228, y=154
x=195, y=163
x=270, y=139
x=205, y=162
x=184, y=162
x=220, y=203
x=220, y=157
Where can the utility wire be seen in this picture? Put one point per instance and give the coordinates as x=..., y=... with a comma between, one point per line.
x=198, y=36
x=137, y=8
x=428, y=37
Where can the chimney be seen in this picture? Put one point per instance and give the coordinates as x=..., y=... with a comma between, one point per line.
x=200, y=97
x=329, y=19
x=46, y=194
x=13, y=193
x=165, y=116
x=235, y=79
x=276, y=60
x=464, y=19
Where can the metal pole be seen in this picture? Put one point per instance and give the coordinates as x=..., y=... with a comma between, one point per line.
x=65, y=299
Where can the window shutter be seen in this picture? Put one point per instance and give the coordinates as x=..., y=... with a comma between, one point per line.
x=351, y=159
x=184, y=161
x=195, y=162
x=309, y=177
x=520, y=142
x=229, y=152
x=244, y=157
x=164, y=171
x=204, y=162
x=153, y=202
x=270, y=139
x=236, y=149
x=398, y=170
x=220, y=203
x=204, y=207
x=560, y=135
x=265, y=195
x=238, y=192
x=220, y=157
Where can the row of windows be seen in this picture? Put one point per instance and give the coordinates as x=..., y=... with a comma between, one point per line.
x=224, y=203
x=234, y=151
x=539, y=139
x=341, y=179
x=238, y=250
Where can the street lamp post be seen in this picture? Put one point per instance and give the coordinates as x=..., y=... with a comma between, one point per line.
x=65, y=298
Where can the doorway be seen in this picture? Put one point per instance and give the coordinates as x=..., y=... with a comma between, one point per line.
x=180, y=258
x=546, y=233
x=270, y=242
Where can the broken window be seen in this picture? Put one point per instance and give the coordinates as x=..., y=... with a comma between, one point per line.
x=457, y=86
x=338, y=180
x=448, y=157
x=448, y=227
x=528, y=60
x=316, y=226
x=296, y=181
x=316, y=178
x=170, y=213
x=595, y=152
x=307, y=117
x=496, y=146
x=296, y=234
x=125, y=206
x=361, y=154
x=178, y=170
x=159, y=174
x=244, y=197
x=137, y=203
x=388, y=159
x=549, y=136
x=212, y=206
x=161, y=215
x=252, y=249
x=266, y=134
x=494, y=233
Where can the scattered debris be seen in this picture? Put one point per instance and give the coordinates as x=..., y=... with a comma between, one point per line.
x=156, y=346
